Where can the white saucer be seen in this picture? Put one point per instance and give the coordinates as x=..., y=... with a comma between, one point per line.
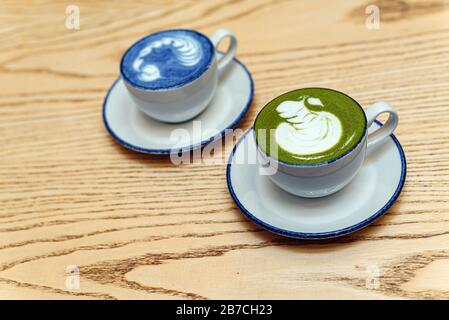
x=135, y=130
x=371, y=193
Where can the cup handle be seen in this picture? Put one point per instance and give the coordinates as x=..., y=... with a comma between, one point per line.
x=216, y=38
x=381, y=135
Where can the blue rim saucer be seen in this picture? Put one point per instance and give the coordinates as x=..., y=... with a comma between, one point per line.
x=336, y=215
x=136, y=131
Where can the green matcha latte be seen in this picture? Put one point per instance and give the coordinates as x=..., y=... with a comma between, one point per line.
x=310, y=125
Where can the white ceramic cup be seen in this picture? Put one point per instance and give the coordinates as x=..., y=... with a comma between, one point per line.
x=322, y=179
x=185, y=102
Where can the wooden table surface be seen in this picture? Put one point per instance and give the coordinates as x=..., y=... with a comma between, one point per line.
x=137, y=226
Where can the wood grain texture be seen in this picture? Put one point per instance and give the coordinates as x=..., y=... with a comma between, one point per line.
x=139, y=227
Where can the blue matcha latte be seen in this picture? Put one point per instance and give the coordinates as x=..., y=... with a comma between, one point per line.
x=167, y=59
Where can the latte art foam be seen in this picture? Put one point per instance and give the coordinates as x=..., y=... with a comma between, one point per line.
x=186, y=50
x=306, y=132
